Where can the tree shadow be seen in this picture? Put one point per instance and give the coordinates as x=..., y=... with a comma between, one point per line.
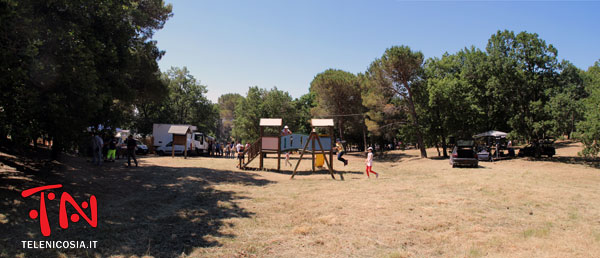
x=149, y=210
x=438, y=158
x=576, y=160
x=388, y=156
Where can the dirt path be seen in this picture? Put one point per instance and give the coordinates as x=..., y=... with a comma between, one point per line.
x=204, y=207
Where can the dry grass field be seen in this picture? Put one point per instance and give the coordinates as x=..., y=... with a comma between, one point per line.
x=204, y=207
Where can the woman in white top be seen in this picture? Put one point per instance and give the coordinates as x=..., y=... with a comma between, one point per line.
x=369, y=162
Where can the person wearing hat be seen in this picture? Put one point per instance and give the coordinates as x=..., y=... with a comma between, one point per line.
x=286, y=131
x=369, y=162
x=340, y=149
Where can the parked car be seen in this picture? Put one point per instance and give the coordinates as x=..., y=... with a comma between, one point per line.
x=122, y=147
x=464, y=154
x=168, y=149
x=141, y=148
x=483, y=154
x=539, y=148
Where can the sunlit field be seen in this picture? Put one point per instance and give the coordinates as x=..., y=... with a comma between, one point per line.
x=205, y=207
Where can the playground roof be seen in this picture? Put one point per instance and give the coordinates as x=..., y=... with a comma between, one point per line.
x=321, y=122
x=270, y=122
x=179, y=129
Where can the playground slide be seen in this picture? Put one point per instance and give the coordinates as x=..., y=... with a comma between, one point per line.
x=319, y=160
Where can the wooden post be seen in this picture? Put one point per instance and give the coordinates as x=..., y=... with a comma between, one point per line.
x=173, y=147
x=324, y=158
x=260, y=152
x=279, y=149
x=313, y=134
x=184, y=147
x=301, y=155
x=331, y=150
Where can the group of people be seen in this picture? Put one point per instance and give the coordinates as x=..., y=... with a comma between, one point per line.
x=99, y=147
x=227, y=150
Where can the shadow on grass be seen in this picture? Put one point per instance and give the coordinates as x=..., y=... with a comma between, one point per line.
x=590, y=162
x=150, y=210
x=577, y=160
x=386, y=156
x=253, y=166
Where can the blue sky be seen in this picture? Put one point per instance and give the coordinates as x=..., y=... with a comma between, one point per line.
x=231, y=45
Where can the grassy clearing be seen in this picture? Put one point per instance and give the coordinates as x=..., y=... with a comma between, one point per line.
x=203, y=207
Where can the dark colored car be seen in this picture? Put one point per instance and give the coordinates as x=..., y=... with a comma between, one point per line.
x=464, y=154
x=539, y=148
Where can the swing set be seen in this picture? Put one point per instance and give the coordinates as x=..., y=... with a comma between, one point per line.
x=313, y=143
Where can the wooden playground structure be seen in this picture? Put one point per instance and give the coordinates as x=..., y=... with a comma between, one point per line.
x=277, y=143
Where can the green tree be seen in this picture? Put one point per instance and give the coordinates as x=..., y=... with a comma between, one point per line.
x=303, y=107
x=565, y=103
x=523, y=73
x=75, y=61
x=338, y=95
x=589, y=128
x=402, y=68
x=384, y=114
x=278, y=103
x=261, y=103
x=452, y=108
x=187, y=102
x=227, y=104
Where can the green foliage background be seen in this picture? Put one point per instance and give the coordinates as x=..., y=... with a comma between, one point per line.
x=66, y=66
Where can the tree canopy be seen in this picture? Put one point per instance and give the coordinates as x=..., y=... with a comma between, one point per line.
x=401, y=69
x=338, y=96
x=84, y=62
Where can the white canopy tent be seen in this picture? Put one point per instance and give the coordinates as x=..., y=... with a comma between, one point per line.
x=491, y=133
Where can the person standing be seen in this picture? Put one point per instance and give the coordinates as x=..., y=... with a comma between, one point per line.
x=232, y=149
x=369, y=163
x=340, y=150
x=131, y=146
x=511, y=151
x=112, y=150
x=98, y=144
x=218, y=149
x=238, y=149
x=92, y=147
x=240, y=154
x=285, y=132
x=238, y=146
x=227, y=150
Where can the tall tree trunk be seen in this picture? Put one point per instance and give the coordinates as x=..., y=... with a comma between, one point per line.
x=56, y=149
x=572, y=126
x=340, y=128
x=444, y=146
x=442, y=133
x=413, y=113
x=364, y=147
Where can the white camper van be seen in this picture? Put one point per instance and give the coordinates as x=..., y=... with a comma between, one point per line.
x=197, y=142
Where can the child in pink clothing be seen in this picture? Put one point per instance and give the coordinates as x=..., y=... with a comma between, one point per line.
x=369, y=162
x=287, y=159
